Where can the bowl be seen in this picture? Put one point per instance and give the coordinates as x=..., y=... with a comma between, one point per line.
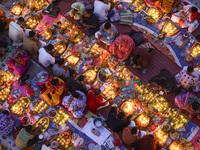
x=52, y=113
x=26, y=120
x=98, y=122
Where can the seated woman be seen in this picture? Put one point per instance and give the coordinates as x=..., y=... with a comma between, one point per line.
x=122, y=47
x=54, y=89
x=107, y=33
x=76, y=103
x=140, y=59
x=163, y=81
x=188, y=102
x=186, y=18
x=8, y=123
x=77, y=10
x=95, y=101
x=166, y=6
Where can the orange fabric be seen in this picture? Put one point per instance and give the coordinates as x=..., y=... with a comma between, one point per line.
x=1, y=12
x=122, y=47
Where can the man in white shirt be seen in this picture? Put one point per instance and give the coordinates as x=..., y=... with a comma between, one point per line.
x=102, y=10
x=16, y=32
x=44, y=56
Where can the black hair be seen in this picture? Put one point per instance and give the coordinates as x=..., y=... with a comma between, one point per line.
x=54, y=82
x=121, y=115
x=75, y=94
x=20, y=19
x=107, y=25
x=60, y=61
x=32, y=34
x=136, y=57
x=194, y=9
x=195, y=105
x=97, y=92
x=151, y=136
x=49, y=47
x=134, y=130
x=190, y=69
x=89, y=11
x=28, y=128
x=5, y=112
x=81, y=78
x=162, y=82
x=71, y=72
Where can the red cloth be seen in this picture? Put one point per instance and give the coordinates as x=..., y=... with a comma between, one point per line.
x=94, y=102
x=122, y=47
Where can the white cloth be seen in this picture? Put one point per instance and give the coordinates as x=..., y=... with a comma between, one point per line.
x=186, y=80
x=16, y=33
x=27, y=32
x=101, y=10
x=44, y=147
x=57, y=70
x=45, y=58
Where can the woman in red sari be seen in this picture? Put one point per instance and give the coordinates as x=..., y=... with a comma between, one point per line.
x=122, y=47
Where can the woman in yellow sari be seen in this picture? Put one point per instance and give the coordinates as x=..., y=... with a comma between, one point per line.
x=3, y=18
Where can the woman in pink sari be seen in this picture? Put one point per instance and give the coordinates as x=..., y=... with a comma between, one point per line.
x=122, y=47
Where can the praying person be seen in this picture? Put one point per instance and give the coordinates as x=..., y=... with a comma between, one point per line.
x=45, y=57
x=31, y=44
x=117, y=121
x=57, y=68
x=16, y=32
x=77, y=10
x=188, y=77
x=95, y=101
x=102, y=10
x=27, y=136
x=140, y=58
x=163, y=81
x=186, y=18
x=8, y=123
x=77, y=85
x=107, y=33
x=130, y=137
x=122, y=47
x=188, y=102
x=89, y=22
x=76, y=103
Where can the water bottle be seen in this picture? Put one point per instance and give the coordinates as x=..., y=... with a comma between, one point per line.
x=144, y=71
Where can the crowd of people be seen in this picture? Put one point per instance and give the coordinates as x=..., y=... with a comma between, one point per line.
x=75, y=94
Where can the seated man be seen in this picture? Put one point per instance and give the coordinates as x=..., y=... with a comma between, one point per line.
x=188, y=102
x=77, y=85
x=186, y=18
x=31, y=44
x=102, y=10
x=77, y=11
x=16, y=32
x=45, y=57
x=95, y=101
x=163, y=81
x=27, y=137
x=107, y=33
x=57, y=68
x=55, y=87
x=140, y=59
x=117, y=121
x=76, y=103
x=89, y=22
x=188, y=77
x=122, y=47
x=130, y=137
